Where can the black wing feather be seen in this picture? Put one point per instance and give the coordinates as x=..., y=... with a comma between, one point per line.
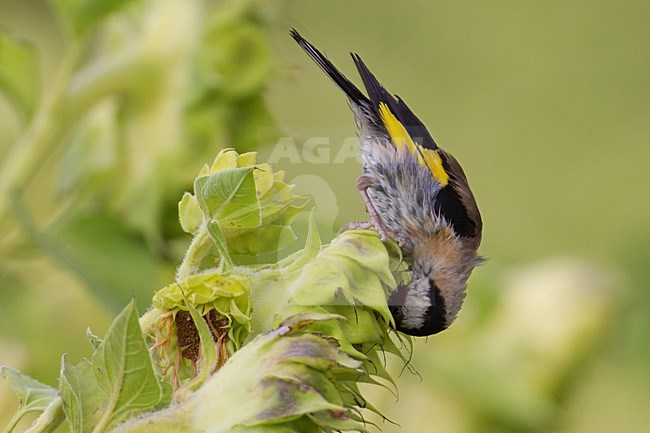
x=449, y=202
x=449, y=205
x=414, y=126
x=378, y=93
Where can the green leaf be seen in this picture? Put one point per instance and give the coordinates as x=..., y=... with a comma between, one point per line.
x=167, y=395
x=18, y=73
x=208, y=358
x=94, y=340
x=34, y=396
x=123, y=369
x=266, y=239
x=354, y=271
x=208, y=351
x=84, y=401
x=200, y=289
x=300, y=258
x=220, y=241
x=274, y=234
x=230, y=197
x=189, y=213
x=83, y=15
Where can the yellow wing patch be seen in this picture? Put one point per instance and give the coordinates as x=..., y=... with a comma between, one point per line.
x=432, y=160
x=399, y=135
x=396, y=130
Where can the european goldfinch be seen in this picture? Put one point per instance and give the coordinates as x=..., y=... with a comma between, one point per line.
x=415, y=193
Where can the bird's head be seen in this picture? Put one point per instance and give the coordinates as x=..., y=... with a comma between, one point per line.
x=430, y=301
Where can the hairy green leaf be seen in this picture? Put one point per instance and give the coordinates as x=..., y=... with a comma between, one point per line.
x=94, y=340
x=230, y=197
x=265, y=239
x=189, y=213
x=219, y=239
x=300, y=258
x=208, y=357
x=123, y=369
x=34, y=396
x=83, y=400
x=352, y=278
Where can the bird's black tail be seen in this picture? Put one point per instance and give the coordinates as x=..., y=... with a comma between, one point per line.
x=339, y=79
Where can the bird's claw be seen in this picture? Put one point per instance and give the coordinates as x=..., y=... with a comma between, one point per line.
x=383, y=231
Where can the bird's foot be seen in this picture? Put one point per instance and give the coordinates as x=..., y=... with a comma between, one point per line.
x=358, y=225
x=383, y=231
x=363, y=183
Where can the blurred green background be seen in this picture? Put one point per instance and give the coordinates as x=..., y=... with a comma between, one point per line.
x=546, y=105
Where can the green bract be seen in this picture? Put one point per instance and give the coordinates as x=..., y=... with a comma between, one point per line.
x=209, y=291
x=245, y=206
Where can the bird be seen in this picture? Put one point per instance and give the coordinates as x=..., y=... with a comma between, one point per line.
x=415, y=193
